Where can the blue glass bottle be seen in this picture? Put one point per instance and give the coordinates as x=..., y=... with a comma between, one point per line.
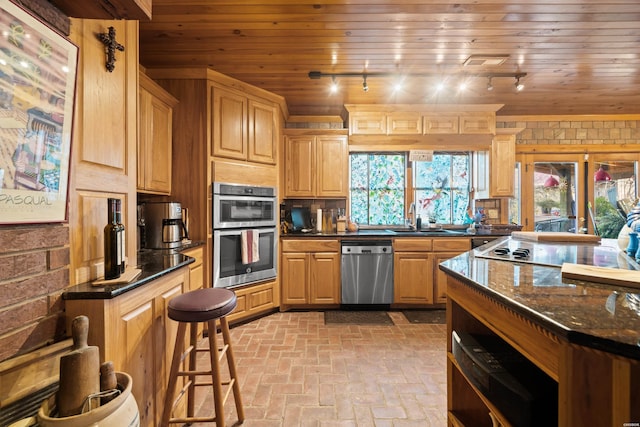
x=632, y=248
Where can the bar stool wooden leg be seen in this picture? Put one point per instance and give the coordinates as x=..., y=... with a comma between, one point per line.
x=224, y=326
x=173, y=375
x=191, y=398
x=218, y=398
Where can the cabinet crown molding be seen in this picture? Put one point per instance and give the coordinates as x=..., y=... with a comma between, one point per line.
x=423, y=108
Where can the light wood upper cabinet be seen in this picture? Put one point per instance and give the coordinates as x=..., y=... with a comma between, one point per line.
x=404, y=123
x=367, y=123
x=421, y=123
x=438, y=124
x=155, y=139
x=243, y=128
x=477, y=123
x=229, y=121
x=316, y=166
x=502, y=166
x=263, y=138
x=299, y=165
x=332, y=164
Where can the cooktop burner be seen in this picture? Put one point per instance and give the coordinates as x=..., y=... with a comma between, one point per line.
x=606, y=254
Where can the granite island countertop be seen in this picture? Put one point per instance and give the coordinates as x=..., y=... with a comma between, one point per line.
x=593, y=315
x=152, y=263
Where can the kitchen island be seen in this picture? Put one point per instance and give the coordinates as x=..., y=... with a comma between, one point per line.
x=583, y=337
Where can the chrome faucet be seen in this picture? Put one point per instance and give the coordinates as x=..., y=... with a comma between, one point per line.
x=411, y=215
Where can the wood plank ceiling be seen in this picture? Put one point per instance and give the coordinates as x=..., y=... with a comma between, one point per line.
x=579, y=56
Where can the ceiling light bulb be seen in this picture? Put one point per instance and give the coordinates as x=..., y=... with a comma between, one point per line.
x=519, y=86
x=334, y=85
x=440, y=87
x=489, y=85
x=365, y=87
x=462, y=87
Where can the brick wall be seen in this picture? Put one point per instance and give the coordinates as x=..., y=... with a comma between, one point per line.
x=34, y=270
x=576, y=132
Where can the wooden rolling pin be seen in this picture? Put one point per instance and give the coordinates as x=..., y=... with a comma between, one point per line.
x=79, y=371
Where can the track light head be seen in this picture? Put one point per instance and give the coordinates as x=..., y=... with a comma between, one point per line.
x=519, y=86
x=489, y=84
x=365, y=86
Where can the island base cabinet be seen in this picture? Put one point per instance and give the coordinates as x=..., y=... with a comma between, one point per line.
x=134, y=332
x=593, y=387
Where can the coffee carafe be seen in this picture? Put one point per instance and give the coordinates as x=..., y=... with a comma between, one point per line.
x=163, y=224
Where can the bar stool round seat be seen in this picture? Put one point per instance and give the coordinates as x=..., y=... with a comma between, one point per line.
x=202, y=305
x=210, y=306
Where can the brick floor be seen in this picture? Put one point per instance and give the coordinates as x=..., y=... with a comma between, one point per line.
x=296, y=371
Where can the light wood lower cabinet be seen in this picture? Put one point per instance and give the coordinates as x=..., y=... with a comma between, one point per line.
x=254, y=300
x=134, y=332
x=416, y=273
x=443, y=250
x=196, y=269
x=310, y=272
x=412, y=271
x=411, y=276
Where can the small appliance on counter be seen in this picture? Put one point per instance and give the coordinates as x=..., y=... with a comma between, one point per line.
x=164, y=227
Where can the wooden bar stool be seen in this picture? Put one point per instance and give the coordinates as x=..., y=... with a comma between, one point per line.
x=202, y=305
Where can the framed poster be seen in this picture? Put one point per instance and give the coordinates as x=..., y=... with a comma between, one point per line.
x=37, y=89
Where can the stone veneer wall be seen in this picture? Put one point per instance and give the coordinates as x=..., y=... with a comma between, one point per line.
x=34, y=271
x=577, y=131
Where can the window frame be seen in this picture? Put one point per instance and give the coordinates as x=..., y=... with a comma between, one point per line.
x=409, y=178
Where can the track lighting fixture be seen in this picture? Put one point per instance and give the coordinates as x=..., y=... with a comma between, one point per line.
x=365, y=87
x=519, y=86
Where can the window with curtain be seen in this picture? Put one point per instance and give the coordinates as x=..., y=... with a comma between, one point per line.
x=441, y=188
x=377, y=188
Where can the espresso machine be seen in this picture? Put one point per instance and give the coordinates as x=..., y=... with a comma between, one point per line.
x=164, y=227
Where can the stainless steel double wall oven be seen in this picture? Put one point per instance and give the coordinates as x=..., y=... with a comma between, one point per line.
x=237, y=208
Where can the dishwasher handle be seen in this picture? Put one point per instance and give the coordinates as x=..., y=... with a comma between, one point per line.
x=367, y=250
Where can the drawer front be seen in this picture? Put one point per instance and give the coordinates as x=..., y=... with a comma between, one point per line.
x=310, y=245
x=454, y=244
x=412, y=245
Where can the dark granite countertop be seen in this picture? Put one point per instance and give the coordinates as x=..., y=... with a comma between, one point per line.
x=388, y=233
x=153, y=263
x=594, y=315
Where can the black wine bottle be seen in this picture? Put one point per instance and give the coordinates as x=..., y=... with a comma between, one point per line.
x=121, y=232
x=111, y=243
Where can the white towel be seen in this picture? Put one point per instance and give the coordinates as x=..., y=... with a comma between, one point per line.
x=250, y=240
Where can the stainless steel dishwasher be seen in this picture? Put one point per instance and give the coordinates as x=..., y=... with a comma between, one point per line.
x=367, y=272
